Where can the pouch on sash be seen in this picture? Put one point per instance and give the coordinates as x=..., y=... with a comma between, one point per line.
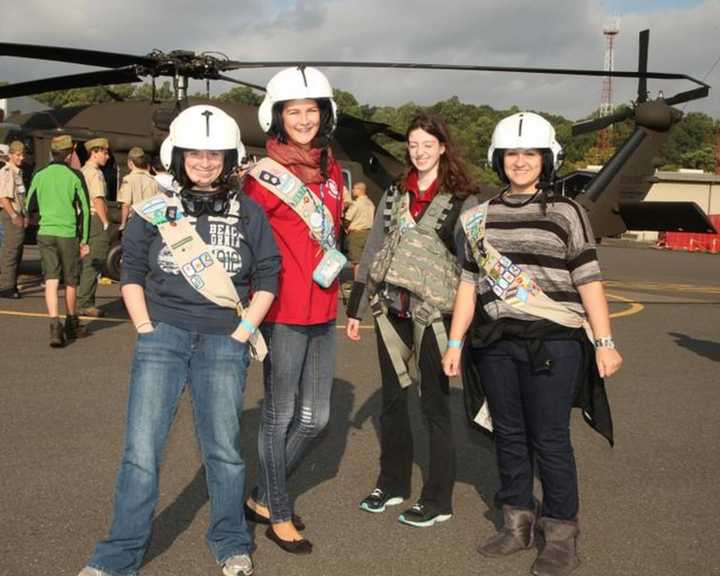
x=329, y=267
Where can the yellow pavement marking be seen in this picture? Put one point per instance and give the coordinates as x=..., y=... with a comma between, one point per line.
x=41, y=315
x=110, y=319
x=662, y=286
x=635, y=307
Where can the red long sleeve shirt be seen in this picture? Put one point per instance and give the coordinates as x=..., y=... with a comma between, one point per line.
x=300, y=300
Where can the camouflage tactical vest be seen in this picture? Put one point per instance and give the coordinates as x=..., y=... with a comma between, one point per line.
x=413, y=256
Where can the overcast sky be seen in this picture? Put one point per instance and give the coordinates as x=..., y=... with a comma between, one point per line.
x=684, y=38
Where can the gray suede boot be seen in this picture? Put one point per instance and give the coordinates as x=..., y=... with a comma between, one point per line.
x=558, y=556
x=515, y=535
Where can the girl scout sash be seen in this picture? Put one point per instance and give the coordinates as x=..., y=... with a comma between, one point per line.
x=513, y=286
x=276, y=179
x=508, y=282
x=194, y=259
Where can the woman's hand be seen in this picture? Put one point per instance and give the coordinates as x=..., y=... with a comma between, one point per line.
x=353, y=329
x=608, y=361
x=451, y=362
x=145, y=327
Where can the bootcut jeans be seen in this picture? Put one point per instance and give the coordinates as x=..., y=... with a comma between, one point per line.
x=214, y=368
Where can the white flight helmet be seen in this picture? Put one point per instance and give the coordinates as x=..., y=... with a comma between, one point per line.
x=524, y=130
x=296, y=83
x=202, y=127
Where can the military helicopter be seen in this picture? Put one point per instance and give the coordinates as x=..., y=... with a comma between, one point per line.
x=612, y=196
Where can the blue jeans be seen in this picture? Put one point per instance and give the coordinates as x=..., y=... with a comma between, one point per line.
x=531, y=418
x=298, y=373
x=214, y=367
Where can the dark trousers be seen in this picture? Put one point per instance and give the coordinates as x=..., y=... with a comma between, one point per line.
x=11, y=253
x=396, y=442
x=531, y=417
x=92, y=264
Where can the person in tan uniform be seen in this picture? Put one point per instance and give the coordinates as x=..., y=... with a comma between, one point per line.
x=98, y=154
x=138, y=185
x=358, y=221
x=13, y=219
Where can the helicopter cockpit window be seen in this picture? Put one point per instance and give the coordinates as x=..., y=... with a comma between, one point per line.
x=373, y=163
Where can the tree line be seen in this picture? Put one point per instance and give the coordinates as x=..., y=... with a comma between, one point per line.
x=691, y=143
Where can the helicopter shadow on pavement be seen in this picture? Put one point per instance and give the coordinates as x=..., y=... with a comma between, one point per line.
x=707, y=348
x=177, y=517
x=475, y=453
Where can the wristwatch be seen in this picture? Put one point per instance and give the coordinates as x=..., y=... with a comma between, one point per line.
x=604, y=342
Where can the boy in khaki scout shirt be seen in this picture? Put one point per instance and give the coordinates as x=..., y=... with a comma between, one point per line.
x=138, y=185
x=99, y=153
x=13, y=219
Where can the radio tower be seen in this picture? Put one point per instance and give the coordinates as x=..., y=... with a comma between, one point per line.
x=610, y=31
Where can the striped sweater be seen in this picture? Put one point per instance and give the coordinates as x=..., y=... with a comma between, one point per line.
x=556, y=249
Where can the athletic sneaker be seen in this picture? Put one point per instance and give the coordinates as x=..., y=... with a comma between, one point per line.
x=378, y=500
x=239, y=565
x=422, y=516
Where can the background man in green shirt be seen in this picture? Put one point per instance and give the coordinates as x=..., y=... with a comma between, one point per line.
x=59, y=194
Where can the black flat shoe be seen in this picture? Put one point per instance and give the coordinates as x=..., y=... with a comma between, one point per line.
x=256, y=518
x=302, y=546
x=10, y=293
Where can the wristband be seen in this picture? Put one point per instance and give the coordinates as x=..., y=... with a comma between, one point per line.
x=144, y=323
x=454, y=343
x=248, y=326
x=604, y=342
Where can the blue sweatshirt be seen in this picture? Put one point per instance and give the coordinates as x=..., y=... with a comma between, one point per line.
x=241, y=241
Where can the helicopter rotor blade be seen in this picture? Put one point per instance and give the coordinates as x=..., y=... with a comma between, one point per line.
x=642, y=65
x=687, y=96
x=241, y=82
x=602, y=122
x=73, y=55
x=471, y=68
x=100, y=78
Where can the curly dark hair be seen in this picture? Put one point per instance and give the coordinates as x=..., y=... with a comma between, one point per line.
x=452, y=171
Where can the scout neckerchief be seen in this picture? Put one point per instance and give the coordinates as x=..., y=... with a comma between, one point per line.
x=278, y=180
x=508, y=282
x=194, y=259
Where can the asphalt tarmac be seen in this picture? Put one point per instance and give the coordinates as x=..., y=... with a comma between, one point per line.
x=648, y=506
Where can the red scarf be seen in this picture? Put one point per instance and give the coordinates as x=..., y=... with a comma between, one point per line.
x=305, y=164
x=419, y=201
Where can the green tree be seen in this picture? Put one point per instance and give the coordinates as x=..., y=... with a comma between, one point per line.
x=241, y=95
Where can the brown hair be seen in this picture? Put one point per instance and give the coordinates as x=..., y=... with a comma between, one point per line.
x=142, y=162
x=452, y=172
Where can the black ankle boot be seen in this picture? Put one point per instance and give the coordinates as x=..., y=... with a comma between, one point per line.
x=73, y=328
x=57, y=335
